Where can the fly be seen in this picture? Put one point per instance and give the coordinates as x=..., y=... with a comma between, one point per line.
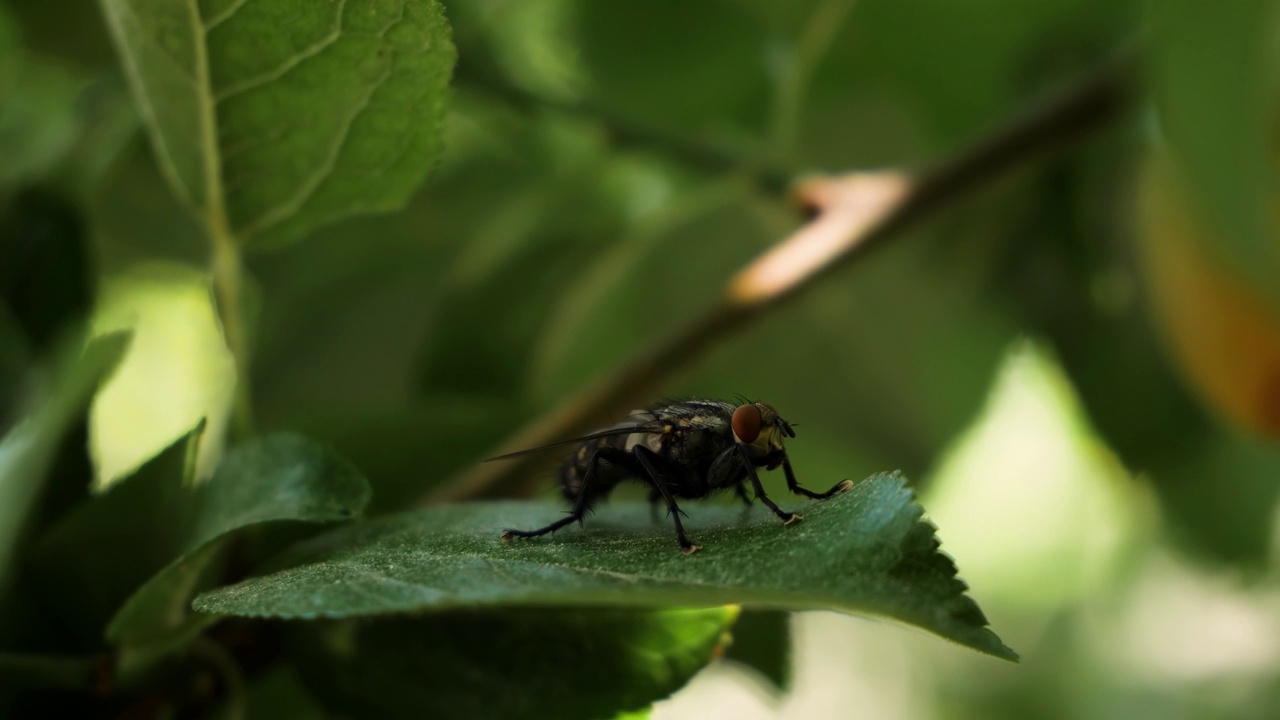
x=685, y=449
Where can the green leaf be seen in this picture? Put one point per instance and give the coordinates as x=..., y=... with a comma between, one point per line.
x=166, y=535
x=72, y=672
x=177, y=371
x=38, y=126
x=282, y=477
x=10, y=53
x=143, y=519
x=865, y=551
x=9, y=48
x=27, y=451
x=709, y=70
x=44, y=264
x=1214, y=72
x=271, y=119
x=762, y=641
x=568, y=663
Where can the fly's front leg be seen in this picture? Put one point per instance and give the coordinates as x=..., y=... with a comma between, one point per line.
x=794, y=486
x=649, y=459
x=786, y=517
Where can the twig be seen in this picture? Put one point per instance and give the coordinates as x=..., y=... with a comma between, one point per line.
x=854, y=214
x=770, y=175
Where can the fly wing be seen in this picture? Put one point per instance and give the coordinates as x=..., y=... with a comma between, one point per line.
x=625, y=429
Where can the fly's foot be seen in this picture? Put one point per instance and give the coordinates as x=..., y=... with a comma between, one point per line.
x=689, y=548
x=792, y=518
x=841, y=487
x=509, y=535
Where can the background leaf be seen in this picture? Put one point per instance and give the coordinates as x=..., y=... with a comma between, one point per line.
x=277, y=478
x=1215, y=72
x=270, y=119
x=45, y=671
x=563, y=663
x=37, y=127
x=762, y=641
x=177, y=371
x=27, y=451
x=865, y=551
x=144, y=517
x=167, y=533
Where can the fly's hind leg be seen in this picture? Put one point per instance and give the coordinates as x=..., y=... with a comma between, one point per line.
x=589, y=492
x=651, y=460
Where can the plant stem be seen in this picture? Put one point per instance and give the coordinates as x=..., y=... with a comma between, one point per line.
x=793, y=83
x=227, y=270
x=855, y=214
x=225, y=264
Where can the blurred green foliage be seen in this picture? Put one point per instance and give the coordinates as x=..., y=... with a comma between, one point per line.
x=597, y=171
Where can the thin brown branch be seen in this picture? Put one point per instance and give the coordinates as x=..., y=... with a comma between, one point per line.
x=694, y=151
x=854, y=214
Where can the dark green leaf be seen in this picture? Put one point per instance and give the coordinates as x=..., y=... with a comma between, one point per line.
x=865, y=551
x=1219, y=492
x=10, y=51
x=279, y=693
x=709, y=67
x=27, y=451
x=168, y=534
x=37, y=125
x=270, y=119
x=74, y=672
x=570, y=663
x=282, y=477
x=1215, y=76
x=142, y=519
x=44, y=264
x=64, y=29
x=762, y=641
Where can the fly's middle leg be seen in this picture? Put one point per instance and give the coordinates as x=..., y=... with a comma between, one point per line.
x=650, y=460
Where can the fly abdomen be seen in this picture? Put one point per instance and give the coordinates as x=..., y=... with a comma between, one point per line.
x=573, y=469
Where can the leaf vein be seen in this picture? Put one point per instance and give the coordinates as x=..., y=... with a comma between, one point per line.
x=223, y=16
x=289, y=63
x=307, y=189
x=164, y=154
x=187, y=73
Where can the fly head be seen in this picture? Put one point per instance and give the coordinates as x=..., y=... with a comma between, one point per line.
x=759, y=427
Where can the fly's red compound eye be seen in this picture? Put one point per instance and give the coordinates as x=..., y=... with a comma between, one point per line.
x=746, y=423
